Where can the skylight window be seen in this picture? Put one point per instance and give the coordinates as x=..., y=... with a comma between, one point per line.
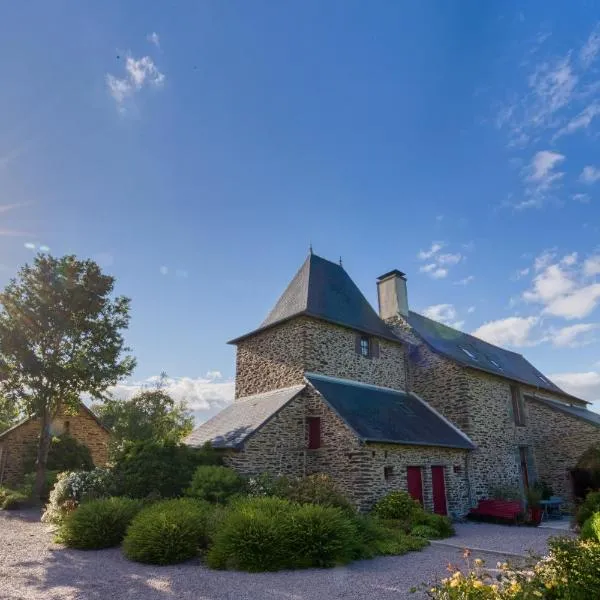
x=496, y=364
x=468, y=353
x=543, y=379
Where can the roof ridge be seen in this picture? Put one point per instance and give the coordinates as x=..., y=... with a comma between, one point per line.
x=354, y=382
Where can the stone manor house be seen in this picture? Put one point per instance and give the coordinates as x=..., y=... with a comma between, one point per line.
x=391, y=401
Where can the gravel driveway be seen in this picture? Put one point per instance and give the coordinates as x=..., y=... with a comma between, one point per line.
x=32, y=567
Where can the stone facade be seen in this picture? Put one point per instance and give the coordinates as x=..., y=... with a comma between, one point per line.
x=279, y=356
x=281, y=448
x=16, y=444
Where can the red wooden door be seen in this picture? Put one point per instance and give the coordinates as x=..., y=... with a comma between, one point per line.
x=415, y=483
x=439, y=490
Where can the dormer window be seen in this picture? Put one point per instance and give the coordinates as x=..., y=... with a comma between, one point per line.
x=365, y=346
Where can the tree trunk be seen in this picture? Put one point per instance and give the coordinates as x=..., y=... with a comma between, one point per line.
x=42, y=456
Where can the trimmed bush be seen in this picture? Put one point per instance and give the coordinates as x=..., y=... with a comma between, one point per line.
x=158, y=469
x=315, y=489
x=397, y=505
x=591, y=528
x=49, y=483
x=11, y=500
x=425, y=532
x=98, y=523
x=588, y=507
x=269, y=534
x=440, y=524
x=215, y=484
x=74, y=487
x=168, y=532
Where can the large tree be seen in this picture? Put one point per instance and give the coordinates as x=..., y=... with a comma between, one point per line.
x=60, y=337
x=9, y=413
x=152, y=414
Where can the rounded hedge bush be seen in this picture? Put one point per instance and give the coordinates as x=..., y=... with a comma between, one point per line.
x=168, y=532
x=397, y=505
x=591, y=528
x=268, y=534
x=318, y=489
x=588, y=507
x=98, y=523
x=425, y=531
x=215, y=484
x=440, y=524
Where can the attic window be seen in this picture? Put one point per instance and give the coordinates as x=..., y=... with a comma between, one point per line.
x=468, y=353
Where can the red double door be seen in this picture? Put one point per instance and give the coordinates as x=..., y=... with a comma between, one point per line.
x=415, y=487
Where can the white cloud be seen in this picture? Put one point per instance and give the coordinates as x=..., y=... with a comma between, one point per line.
x=591, y=48
x=139, y=73
x=551, y=283
x=543, y=259
x=434, y=271
x=512, y=331
x=202, y=394
x=569, y=259
x=581, y=121
x=585, y=385
x=465, y=280
x=591, y=266
x=444, y=313
x=583, y=198
x=574, y=335
x=153, y=38
x=576, y=305
x=439, y=273
x=590, y=174
x=471, y=309
x=434, y=249
x=449, y=259
x=212, y=375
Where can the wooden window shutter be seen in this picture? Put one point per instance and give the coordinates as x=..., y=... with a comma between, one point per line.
x=357, y=343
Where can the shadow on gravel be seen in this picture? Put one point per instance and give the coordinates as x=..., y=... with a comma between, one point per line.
x=30, y=515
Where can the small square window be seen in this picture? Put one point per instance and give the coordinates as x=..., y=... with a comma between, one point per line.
x=388, y=472
x=365, y=346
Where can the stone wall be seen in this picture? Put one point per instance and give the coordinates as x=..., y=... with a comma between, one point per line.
x=279, y=357
x=559, y=440
x=15, y=446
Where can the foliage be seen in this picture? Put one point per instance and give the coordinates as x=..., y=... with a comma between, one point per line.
x=506, y=492
x=60, y=337
x=588, y=507
x=269, y=534
x=65, y=454
x=441, y=524
x=215, y=484
x=533, y=497
x=266, y=484
x=168, y=532
x=591, y=528
x=425, y=531
x=544, y=488
x=9, y=413
x=159, y=469
x=571, y=571
x=14, y=501
x=315, y=489
x=98, y=523
x=396, y=505
x=377, y=537
x=74, y=487
x=152, y=414
x=49, y=483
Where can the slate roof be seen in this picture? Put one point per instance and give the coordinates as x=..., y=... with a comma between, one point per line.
x=234, y=424
x=378, y=414
x=323, y=290
x=575, y=411
x=485, y=357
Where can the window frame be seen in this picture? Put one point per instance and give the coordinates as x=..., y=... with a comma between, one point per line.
x=518, y=405
x=365, y=339
x=388, y=472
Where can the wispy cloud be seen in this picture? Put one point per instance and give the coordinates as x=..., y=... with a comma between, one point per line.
x=574, y=336
x=511, y=331
x=541, y=175
x=139, y=74
x=590, y=50
x=153, y=38
x=438, y=264
x=434, y=249
x=590, y=174
x=582, y=121
x=583, y=198
x=465, y=280
x=444, y=313
x=585, y=384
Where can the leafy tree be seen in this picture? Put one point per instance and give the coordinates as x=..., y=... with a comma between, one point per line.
x=9, y=413
x=150, y=415
x=60, y=337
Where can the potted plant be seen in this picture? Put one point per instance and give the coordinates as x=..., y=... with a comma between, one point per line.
x=534, y=497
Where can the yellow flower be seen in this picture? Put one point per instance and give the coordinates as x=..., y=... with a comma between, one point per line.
x=457, y=575
x=537, y=593
x=454, y=583
x=477, y=584
x=478, y=562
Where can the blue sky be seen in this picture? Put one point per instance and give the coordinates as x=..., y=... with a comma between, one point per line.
x=197, y=151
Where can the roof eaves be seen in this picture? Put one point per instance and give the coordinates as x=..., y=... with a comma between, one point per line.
x=553, y=405
x=405, y=443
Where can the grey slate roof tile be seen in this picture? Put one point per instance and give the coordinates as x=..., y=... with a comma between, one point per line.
x=487, y=357
x=575, y=411
x=324, y=290
x=378, y=414
x=234, y=424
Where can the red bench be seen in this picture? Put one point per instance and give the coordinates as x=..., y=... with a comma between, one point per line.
x=500, y=509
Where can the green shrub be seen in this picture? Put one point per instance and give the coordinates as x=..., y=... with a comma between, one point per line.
x=13, y=500
x=425, y=531
x=65, y=454
x=98, y=523
x=440, y=524
x=591, y=528
x=377, y=537
x=158, y=469
x=588, y=507
x=215, y=484
x=168, y=532
x=315, y=489
x=49, y=483
x=397, y=505
x=72, y=488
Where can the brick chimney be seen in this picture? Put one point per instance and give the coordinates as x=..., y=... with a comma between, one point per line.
x=392, y=295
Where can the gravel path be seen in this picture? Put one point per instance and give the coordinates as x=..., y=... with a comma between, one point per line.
x=32, y=567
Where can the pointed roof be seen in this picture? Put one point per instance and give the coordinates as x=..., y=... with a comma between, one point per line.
x=323, y=290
